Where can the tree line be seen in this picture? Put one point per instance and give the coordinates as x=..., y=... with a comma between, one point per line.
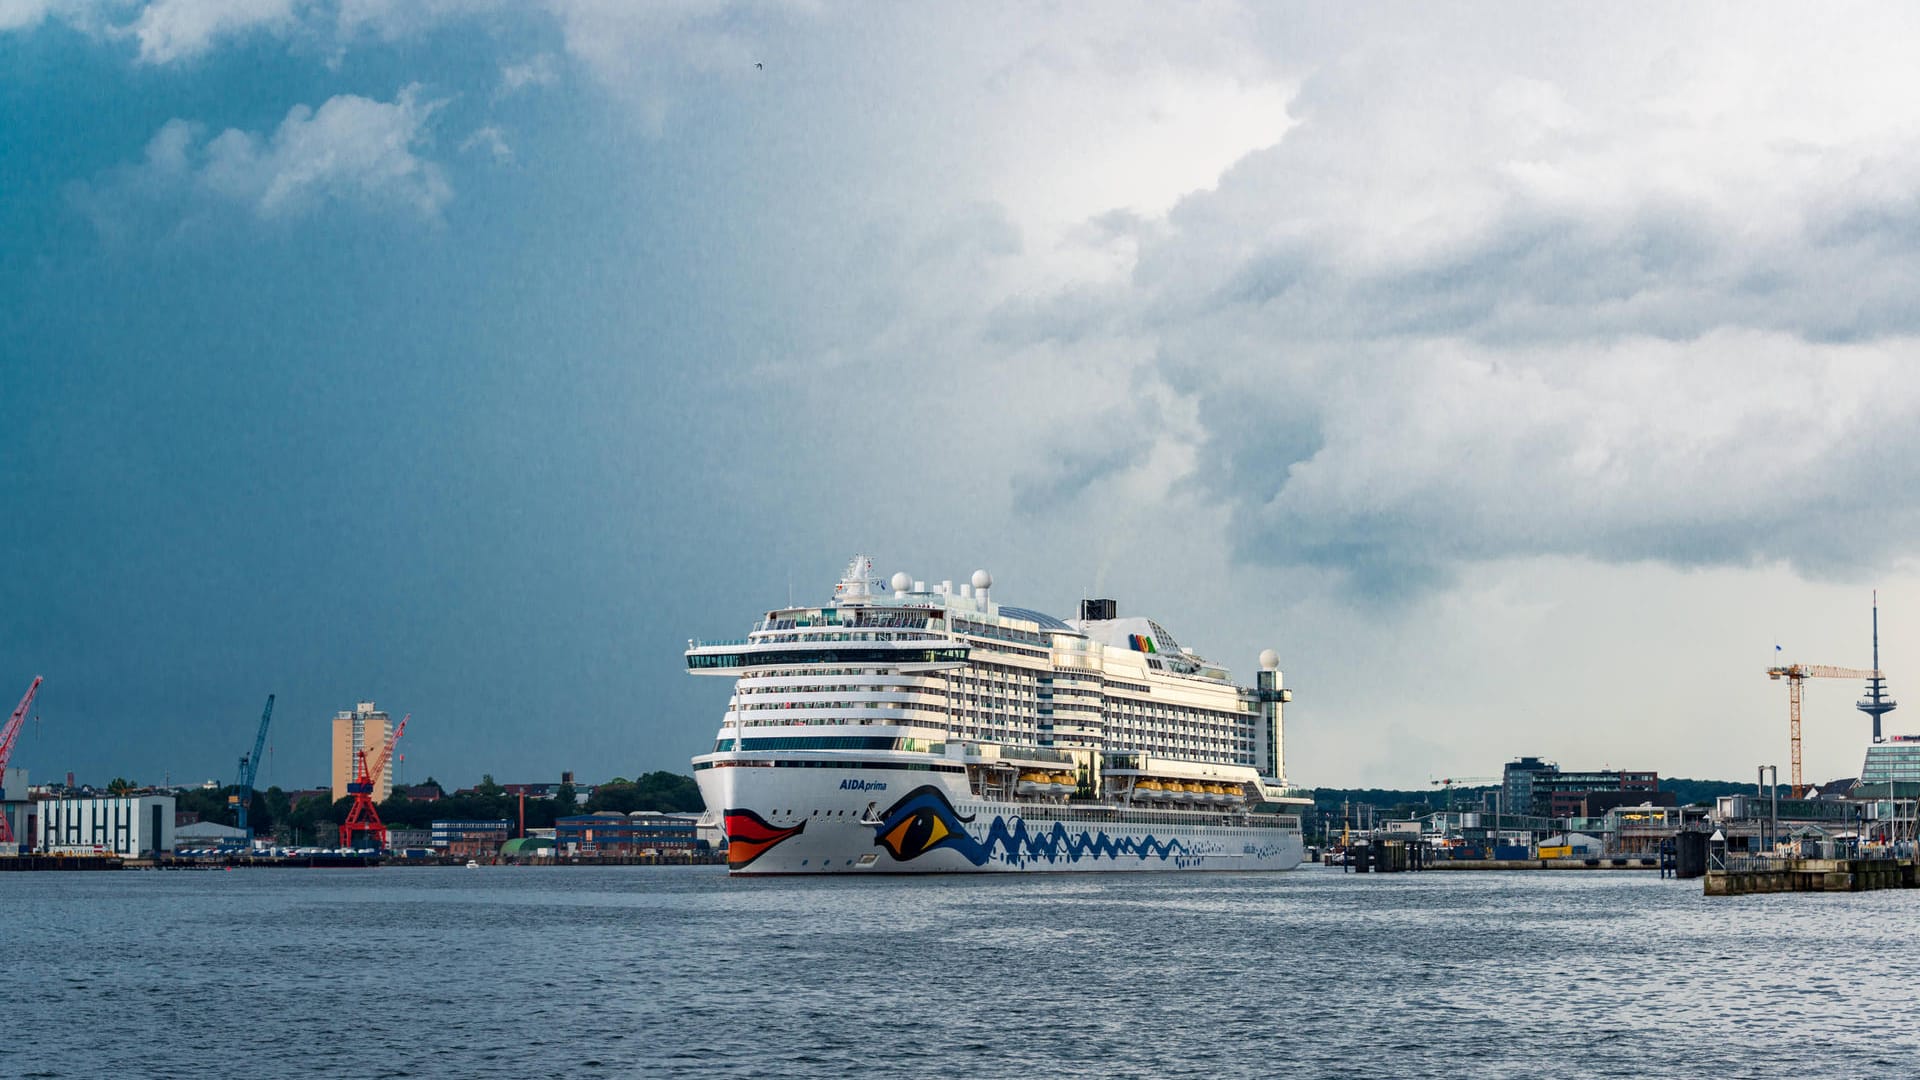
x=316, y=818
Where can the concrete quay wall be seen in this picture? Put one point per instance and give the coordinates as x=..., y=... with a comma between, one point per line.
x=1814, y=875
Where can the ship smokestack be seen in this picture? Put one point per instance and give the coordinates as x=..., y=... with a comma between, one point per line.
x=1099, y=610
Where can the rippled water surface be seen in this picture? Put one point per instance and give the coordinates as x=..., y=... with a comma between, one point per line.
x=635, y=971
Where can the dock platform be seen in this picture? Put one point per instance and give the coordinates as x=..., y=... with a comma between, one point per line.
x=1745, y=875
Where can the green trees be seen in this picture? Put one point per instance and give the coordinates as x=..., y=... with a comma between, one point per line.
x=309, y=818
x=663, y=791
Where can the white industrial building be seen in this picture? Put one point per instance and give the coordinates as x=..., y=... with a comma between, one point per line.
x=129, y=825
x=16, y=809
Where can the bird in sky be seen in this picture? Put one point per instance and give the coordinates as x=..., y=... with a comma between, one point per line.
x=758, y=66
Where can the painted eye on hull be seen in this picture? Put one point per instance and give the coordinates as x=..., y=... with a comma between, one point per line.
x=922, y=821
x=915, y=834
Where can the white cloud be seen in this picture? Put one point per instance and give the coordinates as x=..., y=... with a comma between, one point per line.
x=24, y=14
x=492, y=141
x=177, y=31
x=538, y=70
x=393, y=20
x=174, y=30
x=87, y=16
x=351, y=150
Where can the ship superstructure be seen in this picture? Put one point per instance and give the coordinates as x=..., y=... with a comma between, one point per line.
x=902, y=727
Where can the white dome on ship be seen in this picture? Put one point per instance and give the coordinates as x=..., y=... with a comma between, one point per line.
x=1269, y=660
x=902, y=581
x=982, y=579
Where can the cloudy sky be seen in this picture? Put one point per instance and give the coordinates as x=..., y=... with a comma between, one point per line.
x=1523, y=381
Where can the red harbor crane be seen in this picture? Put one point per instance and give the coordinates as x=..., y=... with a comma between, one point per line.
x=1795, y=674
x=7, y=736
x=362, y=817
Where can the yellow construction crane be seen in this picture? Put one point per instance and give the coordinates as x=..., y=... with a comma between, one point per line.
x=1447, y=785
x=1795, y=674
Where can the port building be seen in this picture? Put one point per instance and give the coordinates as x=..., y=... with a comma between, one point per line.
x=209, y=834
x=361, y=728
x=18, y=810
x=127, y=825
x=1530, y=785
x=612, y=833
x=470, y=838
x=1895, y=761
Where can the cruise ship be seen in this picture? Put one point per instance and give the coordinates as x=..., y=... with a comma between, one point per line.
x=902, y=728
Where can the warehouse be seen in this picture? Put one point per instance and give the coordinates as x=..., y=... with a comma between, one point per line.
x=129, y=825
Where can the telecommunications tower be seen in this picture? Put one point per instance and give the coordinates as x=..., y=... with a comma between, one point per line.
x=1876, y=704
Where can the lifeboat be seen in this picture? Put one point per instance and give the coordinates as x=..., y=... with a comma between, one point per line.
x=1147, y=789
x=1033, y=783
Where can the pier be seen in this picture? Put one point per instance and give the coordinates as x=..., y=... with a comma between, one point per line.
x=1743, y=875
x=61, y=862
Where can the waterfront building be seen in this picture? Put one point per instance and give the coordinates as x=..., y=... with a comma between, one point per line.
x=527, y=848
x=208, y=834
x=17, y=808
x=1895, y=761
x=611, y=833
x=360, y=728
x=401, y=839
x=470, y=838
x=126, y=825
x=1585, y=802
x=1516, y=784
x=1530, y=785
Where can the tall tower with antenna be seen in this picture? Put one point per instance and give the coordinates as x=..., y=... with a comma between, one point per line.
x=1876, y=704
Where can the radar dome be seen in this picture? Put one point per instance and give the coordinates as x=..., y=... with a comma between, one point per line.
x=902, y=582
x=1269, y=660
x=982, y=579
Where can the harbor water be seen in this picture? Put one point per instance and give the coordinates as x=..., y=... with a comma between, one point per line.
x=638, y=971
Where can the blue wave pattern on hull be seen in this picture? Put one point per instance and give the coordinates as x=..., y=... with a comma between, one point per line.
x=924, y=820
x=1019, y=846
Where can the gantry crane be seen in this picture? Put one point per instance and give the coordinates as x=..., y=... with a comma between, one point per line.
x=242, y=798
x=1795, y=674
x=362, y=817
x=7, y=736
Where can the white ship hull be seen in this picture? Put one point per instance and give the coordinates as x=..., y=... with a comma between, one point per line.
x=840, y=820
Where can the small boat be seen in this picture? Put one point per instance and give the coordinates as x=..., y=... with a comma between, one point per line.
x=471, y=865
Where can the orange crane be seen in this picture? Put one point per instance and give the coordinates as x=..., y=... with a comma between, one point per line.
x=1795, y=674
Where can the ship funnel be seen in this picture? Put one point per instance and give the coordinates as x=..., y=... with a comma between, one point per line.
x=1099, y=610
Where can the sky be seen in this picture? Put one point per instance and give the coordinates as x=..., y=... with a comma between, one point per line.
x=1524, y=378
